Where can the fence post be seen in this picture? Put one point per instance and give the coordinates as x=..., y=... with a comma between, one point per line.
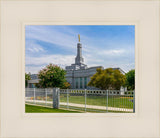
x=85, y=98
x=46, y=96
x=67, y=99
x=107, y=101
x=134, y=101
x=34, y=91
x=56, y=92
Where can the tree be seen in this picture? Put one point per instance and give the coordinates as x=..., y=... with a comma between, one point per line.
x=51, y=76
x=130, y=80
x=107, y=79
x=119, y=79
x=66, y=85
x=27, y=77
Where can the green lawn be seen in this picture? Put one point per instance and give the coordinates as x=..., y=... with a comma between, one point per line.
x=113, y=101
x=39, y=109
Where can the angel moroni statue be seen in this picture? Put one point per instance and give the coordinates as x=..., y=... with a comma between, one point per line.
x=79, y=37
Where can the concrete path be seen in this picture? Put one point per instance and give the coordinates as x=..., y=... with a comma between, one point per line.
x=87, y=106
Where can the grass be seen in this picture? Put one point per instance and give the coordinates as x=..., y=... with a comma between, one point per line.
x=39, y=109
x=113, y=101
x=119, y=101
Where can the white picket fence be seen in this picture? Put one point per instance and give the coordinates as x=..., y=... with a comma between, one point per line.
x=83, y=100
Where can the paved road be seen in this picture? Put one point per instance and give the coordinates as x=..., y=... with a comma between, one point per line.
x=87, y=106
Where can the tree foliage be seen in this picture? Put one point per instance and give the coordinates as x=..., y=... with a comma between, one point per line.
x=51, y=76
x=66, y=85
x=107, y=79
x=130, y=80
x=27, y=77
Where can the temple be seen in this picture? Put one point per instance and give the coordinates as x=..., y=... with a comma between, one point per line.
x=77, y=74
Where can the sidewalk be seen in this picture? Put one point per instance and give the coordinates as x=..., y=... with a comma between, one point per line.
x=87, y=106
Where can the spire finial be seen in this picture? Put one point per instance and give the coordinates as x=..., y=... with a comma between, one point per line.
x=79, y=37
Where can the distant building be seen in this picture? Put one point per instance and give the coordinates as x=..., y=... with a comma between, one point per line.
x=34, y=80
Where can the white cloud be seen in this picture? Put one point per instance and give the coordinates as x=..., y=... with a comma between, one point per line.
x=34, y=64
x=112, y=52
x=35, y=49
x=31, y=46
x=33, y=69
x=54, y=36
x=55, y=59
x=51, y=36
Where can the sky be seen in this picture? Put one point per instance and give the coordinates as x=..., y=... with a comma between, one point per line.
x=102, y=45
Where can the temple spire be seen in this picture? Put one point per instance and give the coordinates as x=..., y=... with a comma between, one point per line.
x=79, y=59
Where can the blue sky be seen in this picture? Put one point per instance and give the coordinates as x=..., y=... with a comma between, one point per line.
x=102, y=45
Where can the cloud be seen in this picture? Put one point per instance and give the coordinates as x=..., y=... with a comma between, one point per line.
x=111, y=52
x=33, y=69
x=34, y=64
x=50, y=35
x=33, y=47
x=55, y=59
x=65, y=37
